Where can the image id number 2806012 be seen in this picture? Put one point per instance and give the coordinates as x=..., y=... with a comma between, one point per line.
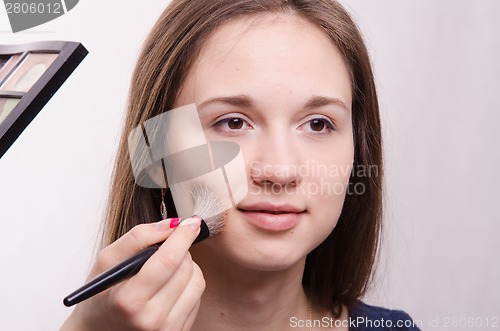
x=33, y=8
x=469, y=322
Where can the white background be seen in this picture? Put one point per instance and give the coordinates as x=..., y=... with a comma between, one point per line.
x=437, y=67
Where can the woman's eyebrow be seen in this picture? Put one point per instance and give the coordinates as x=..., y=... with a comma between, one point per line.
x=241, y=100
x=320, y=101
x=245, y=101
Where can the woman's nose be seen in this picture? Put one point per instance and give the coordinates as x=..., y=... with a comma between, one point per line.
x=276, y=161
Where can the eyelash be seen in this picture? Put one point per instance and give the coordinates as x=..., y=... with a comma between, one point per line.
x=218, y=126
x=329, y=125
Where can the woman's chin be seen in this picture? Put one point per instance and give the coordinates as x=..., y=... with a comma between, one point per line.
x=259, y=256
x=269, y=261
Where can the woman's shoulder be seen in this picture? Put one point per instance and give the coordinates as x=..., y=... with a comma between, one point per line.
x=364, y=317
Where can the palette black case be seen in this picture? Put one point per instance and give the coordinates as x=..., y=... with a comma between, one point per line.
x=30, y=74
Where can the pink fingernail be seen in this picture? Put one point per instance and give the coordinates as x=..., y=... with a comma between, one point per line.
x=168, y=223
x=174, y=222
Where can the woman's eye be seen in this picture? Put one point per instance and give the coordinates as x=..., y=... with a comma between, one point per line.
x=231, y=124
x=318, y=125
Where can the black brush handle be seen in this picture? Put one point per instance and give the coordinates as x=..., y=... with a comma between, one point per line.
x=121, y=271
x=113, y=276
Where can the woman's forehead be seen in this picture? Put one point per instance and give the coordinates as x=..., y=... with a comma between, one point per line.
x=283, y=51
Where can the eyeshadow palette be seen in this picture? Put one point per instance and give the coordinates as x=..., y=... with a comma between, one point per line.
x=30, y=74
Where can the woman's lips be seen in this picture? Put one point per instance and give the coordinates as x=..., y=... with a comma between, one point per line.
x=271, y=220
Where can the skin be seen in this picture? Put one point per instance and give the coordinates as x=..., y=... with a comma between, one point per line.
x=282, y=83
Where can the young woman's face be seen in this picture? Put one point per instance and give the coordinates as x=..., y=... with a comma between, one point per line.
x=278, y=87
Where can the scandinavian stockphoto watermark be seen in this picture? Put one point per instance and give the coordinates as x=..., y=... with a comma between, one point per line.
x=363, y=323
x=26, y=14
x=171, y=150
x=310, y=178
x=356, y=323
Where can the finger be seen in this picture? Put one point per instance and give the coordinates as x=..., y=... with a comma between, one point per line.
x=183, y=309
x=157, y=271
x=163, y=300
x=138, y=238
x=150, y=314
x=192, y=317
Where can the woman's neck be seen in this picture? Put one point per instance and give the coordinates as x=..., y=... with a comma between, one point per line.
x=237, y=298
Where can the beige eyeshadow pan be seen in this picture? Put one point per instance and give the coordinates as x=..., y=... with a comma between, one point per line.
x=28, y=72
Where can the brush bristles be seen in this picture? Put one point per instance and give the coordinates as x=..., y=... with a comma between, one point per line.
x=208, y=206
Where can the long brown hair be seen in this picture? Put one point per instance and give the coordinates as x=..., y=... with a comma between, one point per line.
x=339, y=270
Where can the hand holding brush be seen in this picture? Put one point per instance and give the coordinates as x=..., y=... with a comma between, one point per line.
x=168, y=286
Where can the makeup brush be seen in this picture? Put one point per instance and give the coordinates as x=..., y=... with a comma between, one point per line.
x=211, y=211
x=207, y=207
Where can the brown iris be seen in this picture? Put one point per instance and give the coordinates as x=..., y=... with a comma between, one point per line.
x=235, y=123
x=317, y=125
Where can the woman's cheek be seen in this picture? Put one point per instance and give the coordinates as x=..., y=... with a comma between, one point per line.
x=326, y=194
